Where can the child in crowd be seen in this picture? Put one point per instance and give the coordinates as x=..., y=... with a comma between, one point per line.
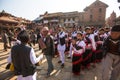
x=78, y=46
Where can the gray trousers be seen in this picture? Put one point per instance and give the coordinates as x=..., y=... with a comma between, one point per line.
x=111, y=67
x=50, y=64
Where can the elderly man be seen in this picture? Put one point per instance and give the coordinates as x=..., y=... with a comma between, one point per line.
x=48, y=49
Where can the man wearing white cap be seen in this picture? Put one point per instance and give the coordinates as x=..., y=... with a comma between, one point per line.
x=49, y=48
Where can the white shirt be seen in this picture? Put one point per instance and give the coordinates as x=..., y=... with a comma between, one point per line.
x=81, y=44
x=61, y=34
x=74, y=34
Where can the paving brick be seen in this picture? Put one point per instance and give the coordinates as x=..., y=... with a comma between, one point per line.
x=60, y=73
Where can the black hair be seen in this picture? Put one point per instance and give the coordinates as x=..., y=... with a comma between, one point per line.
x=87, y=28
x=23, y=36
x=116, y=28
x=79, y=32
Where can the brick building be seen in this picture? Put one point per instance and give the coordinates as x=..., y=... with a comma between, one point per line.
x=111, y=21
x=93, y=15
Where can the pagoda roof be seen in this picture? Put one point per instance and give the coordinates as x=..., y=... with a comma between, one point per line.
x=8, y=19
x=4, y=16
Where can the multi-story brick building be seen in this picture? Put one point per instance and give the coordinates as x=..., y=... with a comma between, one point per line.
x=93, y=15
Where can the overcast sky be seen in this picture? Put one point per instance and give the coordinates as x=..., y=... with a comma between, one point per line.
x=31, y=9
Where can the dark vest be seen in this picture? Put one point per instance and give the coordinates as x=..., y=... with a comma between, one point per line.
x=62, y=40
x=50, y=47
x=87, y=41
x=21, y=60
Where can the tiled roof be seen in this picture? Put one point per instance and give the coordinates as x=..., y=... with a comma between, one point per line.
x=8, y=19
x=52, y=15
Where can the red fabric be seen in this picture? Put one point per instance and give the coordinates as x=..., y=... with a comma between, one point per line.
x=98, y=51
x=74, y=54
x=93, y=50
x=76, y=73
x=87, y=57
x=78, y=61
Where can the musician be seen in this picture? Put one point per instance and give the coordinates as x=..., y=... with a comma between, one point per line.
x=61, y=46
x=99, y=38
x=90, y=47
x=78, y=46
x=73, y=35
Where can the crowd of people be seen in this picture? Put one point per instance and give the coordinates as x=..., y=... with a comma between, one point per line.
x=85, y=47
